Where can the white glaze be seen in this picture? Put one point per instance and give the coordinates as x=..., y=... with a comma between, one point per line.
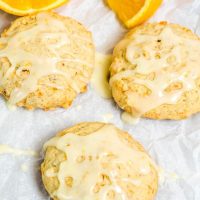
x=178, y=64
x=100, y=75
x=6, y=149
x=90, y=156
x=52, y=34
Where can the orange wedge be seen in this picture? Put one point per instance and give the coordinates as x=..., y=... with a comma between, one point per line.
x=134, y=12
x=26, y=7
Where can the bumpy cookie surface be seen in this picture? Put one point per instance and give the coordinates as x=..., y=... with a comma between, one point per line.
x=97, y=161
x=46, y=60
x=155, y=72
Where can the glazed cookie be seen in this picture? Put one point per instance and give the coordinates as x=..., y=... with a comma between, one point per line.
x=155, y=72
x=97, y=161
x=46, y=60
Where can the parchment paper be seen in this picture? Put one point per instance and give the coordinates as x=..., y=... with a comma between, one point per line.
x=174, y=145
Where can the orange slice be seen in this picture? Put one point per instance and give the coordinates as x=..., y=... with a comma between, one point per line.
x=26, y=7
x=134, y=12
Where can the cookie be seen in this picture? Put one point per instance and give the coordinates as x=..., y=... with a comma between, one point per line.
x=46, y=60
x=155, y=72
x=97, y=161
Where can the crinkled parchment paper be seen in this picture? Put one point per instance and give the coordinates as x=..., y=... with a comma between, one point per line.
x=174, y=145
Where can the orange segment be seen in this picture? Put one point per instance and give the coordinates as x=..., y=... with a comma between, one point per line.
x=134, y=12
x=25, y=7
